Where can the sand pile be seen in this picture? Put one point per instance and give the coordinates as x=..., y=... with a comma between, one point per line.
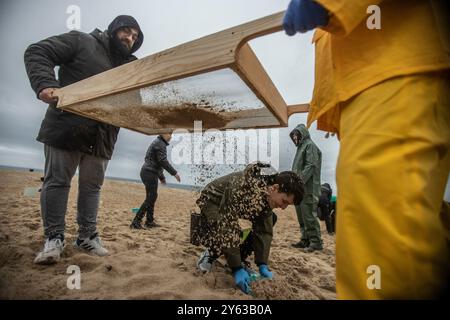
x=143, y=264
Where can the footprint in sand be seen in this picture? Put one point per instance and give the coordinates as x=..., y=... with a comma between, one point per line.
x=303, y=270
x=326, y=283
x=86, y=262
x=125, y=235
x=133, y=245
x=180, y=266
x=4, y=237
x=33, y=226
x=107, y=230
x=109, y=238
x=9, y=255
x=190, y=251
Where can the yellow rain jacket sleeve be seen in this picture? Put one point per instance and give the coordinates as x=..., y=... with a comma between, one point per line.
x=351, y=58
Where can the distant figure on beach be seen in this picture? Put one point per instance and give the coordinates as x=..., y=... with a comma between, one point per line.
x=382, y=84
x=152, y=171
x=72, y=141
x=333, y=213
x=251, y=195
x=307, y=164
x=325, y=207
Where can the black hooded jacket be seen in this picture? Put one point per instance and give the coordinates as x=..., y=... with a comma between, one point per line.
x=156, y=159
x=79, y=56
x=324, y=206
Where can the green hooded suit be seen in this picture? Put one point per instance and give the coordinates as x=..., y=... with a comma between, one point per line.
x=307, y=164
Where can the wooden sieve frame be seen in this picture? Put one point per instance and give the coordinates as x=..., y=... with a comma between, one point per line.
x=224, y=49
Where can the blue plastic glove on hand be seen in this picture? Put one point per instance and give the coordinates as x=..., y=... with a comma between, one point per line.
x=304, y=15
x=242, y=280
x=264, y=271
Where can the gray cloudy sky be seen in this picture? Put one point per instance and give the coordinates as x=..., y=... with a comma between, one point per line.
x=165, y=23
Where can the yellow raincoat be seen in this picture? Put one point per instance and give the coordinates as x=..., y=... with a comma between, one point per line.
x=385, y=92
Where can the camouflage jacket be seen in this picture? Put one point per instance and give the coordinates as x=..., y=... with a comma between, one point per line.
x=226, y=200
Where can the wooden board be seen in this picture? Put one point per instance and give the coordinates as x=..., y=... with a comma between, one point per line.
x=252, y=72
x=297, y=108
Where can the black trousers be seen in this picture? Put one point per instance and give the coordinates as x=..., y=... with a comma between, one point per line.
x=147, y=208
x=323, y=211
x=333, y=220
x=329, y=224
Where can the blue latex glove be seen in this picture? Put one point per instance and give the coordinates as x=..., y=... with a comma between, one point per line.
x=242, y=280
x=264, y=271
x=304, y=15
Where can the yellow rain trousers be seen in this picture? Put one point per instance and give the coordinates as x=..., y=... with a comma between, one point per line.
x=386, y=93
x=391, y=176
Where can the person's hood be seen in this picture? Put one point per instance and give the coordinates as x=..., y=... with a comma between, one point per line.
x=125, y=21
x=164, y=140
x=327, y=187
x=302, y=131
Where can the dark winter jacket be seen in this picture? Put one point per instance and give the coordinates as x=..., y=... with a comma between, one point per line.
x=79, y=56
x=324, y=207
x=156, y=159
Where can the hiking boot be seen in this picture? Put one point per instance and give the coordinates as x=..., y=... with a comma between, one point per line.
x=135, y=225
x=205, y=262
x=152, y=224
x=53, y=248
x=313, y=247
x=91, y=245
x=301, y=244
x=137, y=221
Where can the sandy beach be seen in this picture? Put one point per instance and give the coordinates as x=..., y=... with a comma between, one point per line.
x=143, y=264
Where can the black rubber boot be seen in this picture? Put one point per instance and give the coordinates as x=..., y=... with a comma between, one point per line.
x=301, y=244
x=313, y=247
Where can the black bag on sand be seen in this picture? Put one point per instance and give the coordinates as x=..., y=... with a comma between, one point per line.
x=195, y=228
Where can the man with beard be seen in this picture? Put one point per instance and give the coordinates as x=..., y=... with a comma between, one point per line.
x=72, y=141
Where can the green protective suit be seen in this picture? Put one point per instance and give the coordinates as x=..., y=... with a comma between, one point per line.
x=307, y=164
x=223, y=202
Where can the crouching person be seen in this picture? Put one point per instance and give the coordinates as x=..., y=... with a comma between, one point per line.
x=251, y=195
